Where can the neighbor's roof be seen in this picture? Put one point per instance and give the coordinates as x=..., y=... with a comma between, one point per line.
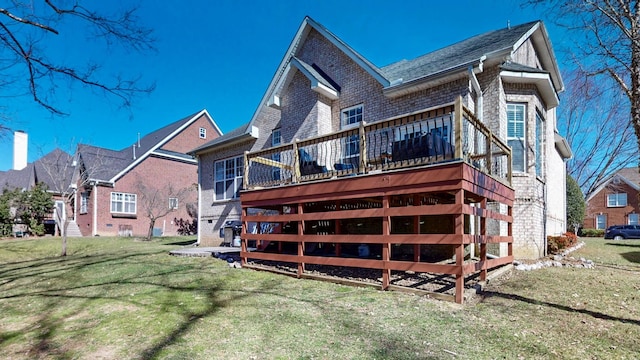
x=54, y=169
x=630, y=175
x=395, y=78
x=108, y=165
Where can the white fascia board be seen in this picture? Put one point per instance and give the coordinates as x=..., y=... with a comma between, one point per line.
x=210, y=120
x=324, y=90
x=538, y=35
x=154, y=148
x=542, y=81
x=173, y=157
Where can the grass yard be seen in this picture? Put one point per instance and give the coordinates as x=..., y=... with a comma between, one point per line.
x=117, y=298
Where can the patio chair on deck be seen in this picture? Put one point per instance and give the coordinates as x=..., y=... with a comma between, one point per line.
x=309, y=166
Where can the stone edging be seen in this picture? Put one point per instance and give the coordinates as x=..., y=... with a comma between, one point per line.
x=559, y=260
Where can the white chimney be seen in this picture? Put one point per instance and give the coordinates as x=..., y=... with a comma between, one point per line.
x=20, y=142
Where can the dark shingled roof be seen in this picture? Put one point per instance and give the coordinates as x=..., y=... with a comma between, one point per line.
x=229, y=136
x=456, y=55
x=509, y=66
x=55, y=170
x=17, y=179
x=103, y=164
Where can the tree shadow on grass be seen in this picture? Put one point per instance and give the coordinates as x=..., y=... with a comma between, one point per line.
x=595, y=314
x=183, y=243
x=633, y=256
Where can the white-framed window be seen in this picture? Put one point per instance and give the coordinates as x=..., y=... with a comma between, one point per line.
x=516, y=135
x=617, y=200
x=123, y=203
x=84, y=202
x=601, y=221
x=352, y=115
x=276, y=139
x=539, y=144
x=203, y=133
x=173, y=203
x=228, y=175
x=634, y=219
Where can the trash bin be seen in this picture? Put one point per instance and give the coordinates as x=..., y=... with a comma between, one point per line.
x=231, y=230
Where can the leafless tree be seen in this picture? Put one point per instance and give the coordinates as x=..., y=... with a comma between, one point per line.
x=607, y=46
x=64, y=174
x=158, y=202
x=595, y=120
x=27, y=68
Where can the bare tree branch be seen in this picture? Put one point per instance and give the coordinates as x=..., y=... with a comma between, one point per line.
x=25, y=26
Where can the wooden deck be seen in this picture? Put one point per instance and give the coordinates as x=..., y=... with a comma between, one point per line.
x=438, y=219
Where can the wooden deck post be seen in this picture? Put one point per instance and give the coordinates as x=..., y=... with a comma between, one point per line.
x=243, y=239
x=386, y=246
x=300, y=244
x=245, y=176
x=416, y=229
x=362, y=166
x=483, y=241
x=296, y=163
x=459, y=230
x=458, y=123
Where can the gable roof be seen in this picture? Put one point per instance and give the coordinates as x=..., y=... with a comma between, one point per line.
x=105, y=165
x=17, y=179
x=54, y=169
x=410, y=75
x=630, y=176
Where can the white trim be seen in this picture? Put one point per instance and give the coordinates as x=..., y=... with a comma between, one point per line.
x=607, y=181
x=164, y=141
x=542, y=81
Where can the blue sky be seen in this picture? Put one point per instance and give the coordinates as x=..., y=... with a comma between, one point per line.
x=221, y=56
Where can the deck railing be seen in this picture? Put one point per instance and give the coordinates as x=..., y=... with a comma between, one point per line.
x=448, y=133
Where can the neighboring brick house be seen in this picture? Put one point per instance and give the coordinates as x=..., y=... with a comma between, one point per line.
x=509, y=76
x=52, y=169
x=615, y=201
x=114, y=187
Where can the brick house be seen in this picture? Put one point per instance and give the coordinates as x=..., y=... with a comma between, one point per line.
x=52, y=169
x=508, y=77
x=115, y=187
x=616, y=201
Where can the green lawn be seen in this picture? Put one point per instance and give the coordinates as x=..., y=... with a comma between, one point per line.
x=116, y=298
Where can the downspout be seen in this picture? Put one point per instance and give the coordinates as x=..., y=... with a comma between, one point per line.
x=94, y=231
x=199, y=201
x=476, y=87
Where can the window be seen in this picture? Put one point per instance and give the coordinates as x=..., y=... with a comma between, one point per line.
x=601, y=221
x=276, y=139
x=617, y=200
x=516, y=135
x=123, y=203
x=84, y=201
x=539, y=144
x=633, y=219
x=203, y=133
x=351, y=117
x=173, y=203
x=228, y=178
